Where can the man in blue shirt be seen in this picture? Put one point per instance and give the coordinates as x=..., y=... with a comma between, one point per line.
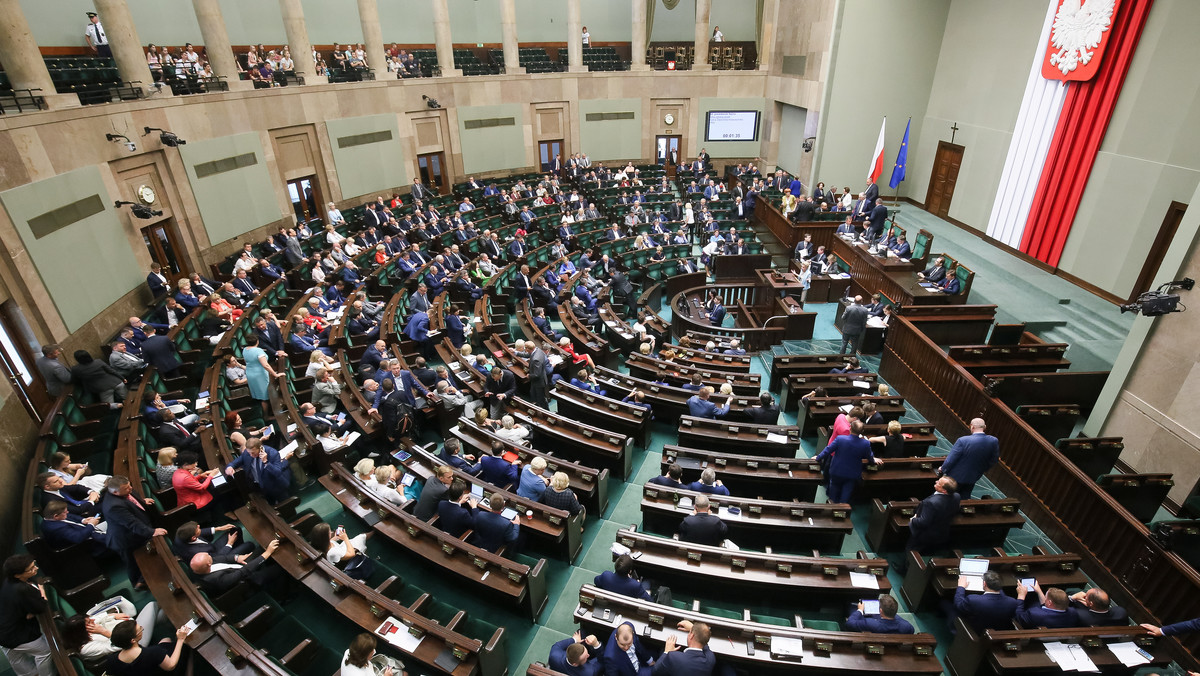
x=885, y=622
x=699, y=405
x=971, y=456
x=534, y=480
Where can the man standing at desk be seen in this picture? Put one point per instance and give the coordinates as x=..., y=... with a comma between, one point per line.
x=699, y=405
x=854, y=323
x=972, y=456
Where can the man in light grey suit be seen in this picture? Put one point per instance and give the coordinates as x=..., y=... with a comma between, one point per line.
x=292, y=251
x=539, y=375
x=854, y=323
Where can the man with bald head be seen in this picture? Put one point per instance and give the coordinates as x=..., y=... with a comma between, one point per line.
x=972, y=456
x=1094, y=608
x=217, y=578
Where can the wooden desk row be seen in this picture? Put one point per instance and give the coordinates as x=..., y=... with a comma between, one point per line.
x=600, y=612
x=979, y=522
x=788, y=525
x=798, y=479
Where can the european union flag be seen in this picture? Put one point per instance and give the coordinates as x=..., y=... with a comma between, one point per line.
x=901, y=159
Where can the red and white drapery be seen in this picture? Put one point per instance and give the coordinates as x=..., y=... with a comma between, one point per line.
x=1058, y=134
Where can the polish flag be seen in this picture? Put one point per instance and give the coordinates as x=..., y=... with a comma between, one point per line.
x=877, y=157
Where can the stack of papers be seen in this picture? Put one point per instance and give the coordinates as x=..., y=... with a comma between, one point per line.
x=202, y=404
x=1069, y=656
x=398, y=635
x=1129, y=654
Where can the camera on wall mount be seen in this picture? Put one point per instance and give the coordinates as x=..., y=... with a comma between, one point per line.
x=121, y=138
x=168, y=138
x=1160, y=301
x=140, y=210
x=808, y=143
x=432, y=103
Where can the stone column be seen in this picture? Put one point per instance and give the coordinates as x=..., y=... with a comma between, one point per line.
x=216, y=43
x=703, y=8
x=441, y=35
x=22, y=62
x=368, y=15
x=637, y=47
x=508, y=30
x=574, y=38
x=125, y=45
x=767, y=44
x=297, y=37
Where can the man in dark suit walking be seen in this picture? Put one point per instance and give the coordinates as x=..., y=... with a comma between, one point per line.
x=161, y=353
x=854, y=323
x=129, y=524
x=539, y=375
x=499, y=389
x=694, y=660
x=703, y=527
x=972, y=456
x=929, y=528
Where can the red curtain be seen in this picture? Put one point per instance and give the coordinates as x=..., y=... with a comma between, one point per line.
x=1086, y=111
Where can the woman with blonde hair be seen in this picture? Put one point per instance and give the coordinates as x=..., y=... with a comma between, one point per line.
x=385, y=485
x=560, y=496
x=333, y=236
x=893, y=441
x=166, y=465
x=317, y=360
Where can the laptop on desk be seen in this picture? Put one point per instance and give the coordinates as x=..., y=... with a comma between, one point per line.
x=973, y=570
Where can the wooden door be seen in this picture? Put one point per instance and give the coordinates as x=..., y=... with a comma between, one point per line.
x=945, y=174
x=162, y=241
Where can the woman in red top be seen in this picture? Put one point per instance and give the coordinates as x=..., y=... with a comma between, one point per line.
x=565, y=345
x=191, y=485
x=380, y=254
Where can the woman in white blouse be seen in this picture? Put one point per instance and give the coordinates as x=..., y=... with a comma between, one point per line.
x=333, y=236
x=358, y=658
x=385, y=485
x=511, y=431
x=718, y=36
x=317, y=361
x=336, y=543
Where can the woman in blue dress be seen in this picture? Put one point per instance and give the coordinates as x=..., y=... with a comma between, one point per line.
x=258, y=373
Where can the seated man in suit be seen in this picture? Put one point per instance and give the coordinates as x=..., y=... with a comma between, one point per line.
x=1054, y=610
x=950, y=285
x=456, y=512
x=624, y=654
x=1094, y=608
x=696, y=659
x=717, y=315
x=229, y=575
x=709, y=483
x=79, y=499
x=993, y=609
x=497, y=471
x=622, y=580
x=433, y=492
x=735, y=348
x=671, y=478
x=61, y=529
x=884, y=623
x=901, y=247
x=493, y=530
x=576, y=656
x=936, y=272
x=221, y=543
x=766, y=413
x=703, y=527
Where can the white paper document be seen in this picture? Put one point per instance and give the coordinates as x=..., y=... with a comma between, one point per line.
x=846, y=408
x=400, y=637
x=287, y=451
x=861, y=384
x=864, y=580
x=777, y=438
x=787, y=647
x=1070, y=656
